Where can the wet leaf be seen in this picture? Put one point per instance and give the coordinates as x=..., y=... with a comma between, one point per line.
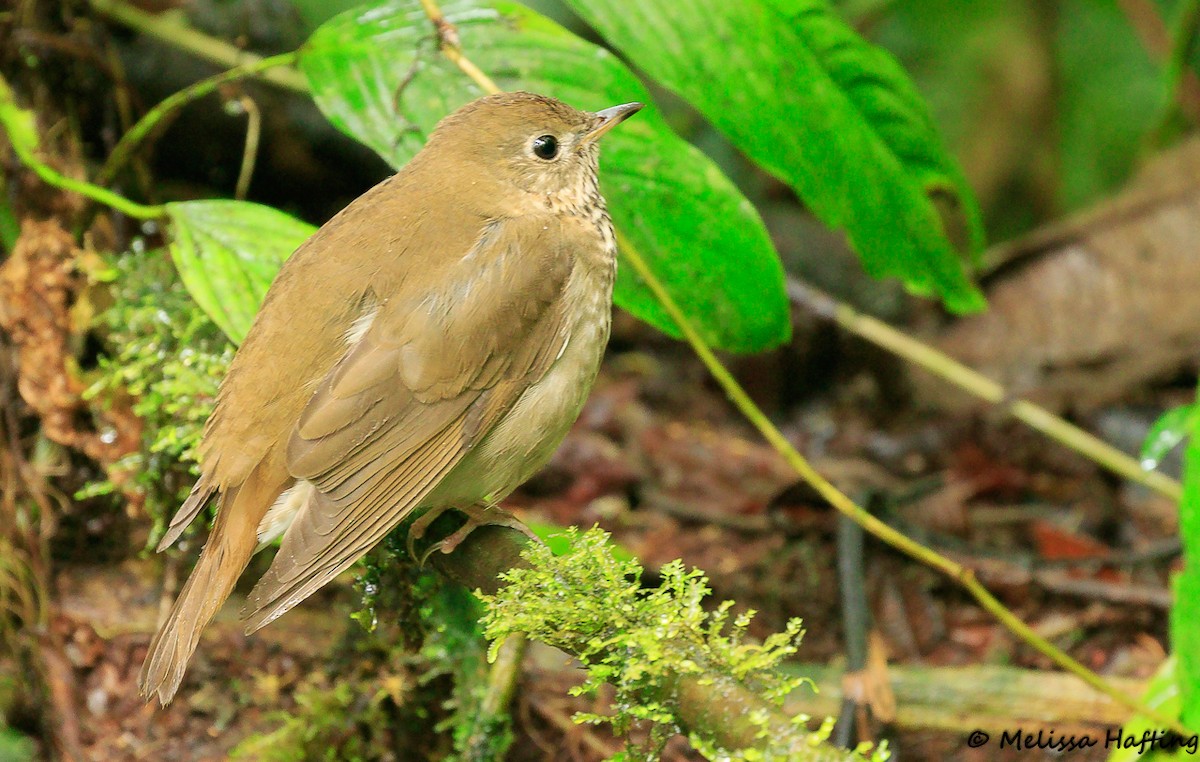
x=823, y=110
x=1167, y=433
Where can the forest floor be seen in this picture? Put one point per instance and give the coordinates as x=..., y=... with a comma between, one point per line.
x=660, y=460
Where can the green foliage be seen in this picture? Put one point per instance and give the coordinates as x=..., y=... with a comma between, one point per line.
x=591, y=605
x=378, y=75
x=1162, y=694
x=1111, y=98
x=835, y=117
x=9, y=227
x=334, y=722
x=1185, y=614
x=1176, y=689
x=406, y=682
x=171, y=358
x=19, y=124
x=1171, y=428
x=228, y=252
x=15, y=747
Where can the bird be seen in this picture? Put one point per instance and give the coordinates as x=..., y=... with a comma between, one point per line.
x=427, y=349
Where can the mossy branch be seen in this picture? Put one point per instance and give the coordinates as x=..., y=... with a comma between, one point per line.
x=671, y=662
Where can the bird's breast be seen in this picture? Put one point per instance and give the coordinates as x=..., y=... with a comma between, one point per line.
x=522, y=442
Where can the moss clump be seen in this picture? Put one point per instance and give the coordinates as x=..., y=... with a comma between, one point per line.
x=642, y=642
x=404, y=683
x=165, y=352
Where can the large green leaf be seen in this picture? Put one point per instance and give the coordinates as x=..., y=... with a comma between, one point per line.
x=378, y=75
x=813, y=103
x=228, y=252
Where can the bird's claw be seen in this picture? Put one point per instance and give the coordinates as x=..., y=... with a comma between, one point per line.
x=477, y=516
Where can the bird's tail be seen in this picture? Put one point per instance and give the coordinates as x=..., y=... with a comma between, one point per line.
x=232, y=542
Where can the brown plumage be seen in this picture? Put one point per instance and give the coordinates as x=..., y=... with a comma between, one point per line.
x=428, y=347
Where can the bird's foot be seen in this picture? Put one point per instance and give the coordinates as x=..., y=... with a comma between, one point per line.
x=477, y=516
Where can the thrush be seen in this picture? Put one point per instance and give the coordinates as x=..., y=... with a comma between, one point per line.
x=428, y=348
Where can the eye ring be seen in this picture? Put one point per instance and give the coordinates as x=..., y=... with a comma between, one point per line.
x=545, y=147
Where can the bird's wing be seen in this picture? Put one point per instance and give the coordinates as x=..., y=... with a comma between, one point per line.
x=437, y=369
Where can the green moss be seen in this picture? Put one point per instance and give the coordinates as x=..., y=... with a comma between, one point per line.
x=404, y=683
x=641, y=642
x=161, y=349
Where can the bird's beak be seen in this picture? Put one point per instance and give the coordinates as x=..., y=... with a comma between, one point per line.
x=609, y=118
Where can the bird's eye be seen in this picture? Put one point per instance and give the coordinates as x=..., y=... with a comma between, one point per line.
x=545, y=147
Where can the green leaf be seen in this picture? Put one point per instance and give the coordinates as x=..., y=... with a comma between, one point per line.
x=559, y=538
x=823, y=110
x=228, y=252
x=1168, y=431
x=378, y=75
x=1162, y=695
x=18, y=123
x=1185, y=637
x=1111, y=98
x=1185, y=614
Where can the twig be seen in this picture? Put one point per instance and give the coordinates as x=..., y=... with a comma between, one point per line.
x=502, y=681
x=1109, y=592
x=1039, y=418
x=136, y=134
x=856, y=620
x=741, y=400
x=965, y=697
x=197, y=43
x=250, y=152
x=19, y=125
x=451, y=48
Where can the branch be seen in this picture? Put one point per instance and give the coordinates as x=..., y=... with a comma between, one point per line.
x=709, y=704
x=449, y=43
x=195, y=42
x=1036, y=417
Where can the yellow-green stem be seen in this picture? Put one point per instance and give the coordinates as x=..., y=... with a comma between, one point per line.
x=20, y=127
x=199, y=44
x=138, y=132
x=1036, y=417
x=844, y=504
